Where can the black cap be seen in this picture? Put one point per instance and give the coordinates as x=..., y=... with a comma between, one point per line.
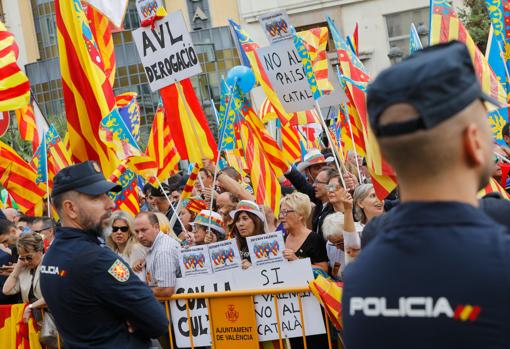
x=438, y=81
x=85, y=177
x=158, y=192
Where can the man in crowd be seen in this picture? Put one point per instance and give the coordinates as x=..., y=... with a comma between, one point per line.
x=161, y=204
x=46, y=227
x=416, y=284
x=161, y=262
x=95, y=298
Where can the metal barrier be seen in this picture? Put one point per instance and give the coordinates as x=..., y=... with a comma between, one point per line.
x=251, y=293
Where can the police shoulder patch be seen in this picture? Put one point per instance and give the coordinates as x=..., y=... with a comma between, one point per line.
x=119, y=271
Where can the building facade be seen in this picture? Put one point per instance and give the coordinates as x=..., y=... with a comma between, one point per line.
x=383, y=24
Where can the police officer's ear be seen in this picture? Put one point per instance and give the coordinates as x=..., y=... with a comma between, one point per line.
x=474, y=145
x=69, y=205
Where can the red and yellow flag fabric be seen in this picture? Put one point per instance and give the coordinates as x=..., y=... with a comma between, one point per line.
x=14, y=333
x=88, y=94
x=315, y=41
x=190, y=130
x=19, y=178
x=290, y=143
x=445, y=27
x=127, y=199
x=190, y=183
x=249, y=48
x=329, y=294
x=27, y=125
x=494, y=187
x=14, y=84
x=161, y=146
x=348, y=112
x=304, y=117
x=100, y=27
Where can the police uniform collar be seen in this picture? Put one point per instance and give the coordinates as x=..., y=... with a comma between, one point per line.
x=427, y=213
x=75, y=233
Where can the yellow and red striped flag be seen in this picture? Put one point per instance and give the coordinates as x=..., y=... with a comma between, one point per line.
x=190, y=130
x=14, y=84
x=290, y=143
x=329, y=294
x=494, y=187
x=345, y=112
x=127, y=198
x=445, y=27
x=14, y=332
x=190, y=183
x=19, y=178
x=266, y=188
x=304, y=117
x=249, y=50
x=100, y=27
x=161, y=146
x=88, y=94
x=315, y=41
x=27, y=125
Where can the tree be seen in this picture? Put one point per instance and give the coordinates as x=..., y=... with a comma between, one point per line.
x=475, y=17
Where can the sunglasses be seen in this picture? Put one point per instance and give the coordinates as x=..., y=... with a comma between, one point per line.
x=26, y=258
x=333, y=187
x=123, y=229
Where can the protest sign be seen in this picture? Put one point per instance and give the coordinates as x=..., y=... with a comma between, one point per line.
x=224, y=255
x=147, y=8
x=195, y=261
x=166, y=51
x=276, y=25
x=198, y=308
x=283, y=275
x=266, y=248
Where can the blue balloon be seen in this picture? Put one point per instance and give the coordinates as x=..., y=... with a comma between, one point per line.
x=242, y=76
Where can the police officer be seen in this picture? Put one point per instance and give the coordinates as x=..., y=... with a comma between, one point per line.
x=95, y=298
x=436, y=274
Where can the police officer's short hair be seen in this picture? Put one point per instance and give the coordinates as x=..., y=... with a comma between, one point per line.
x=153, y=219
x=31, y=242
x=6, y=226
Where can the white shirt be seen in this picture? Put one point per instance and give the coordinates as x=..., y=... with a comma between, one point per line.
x=161, y=262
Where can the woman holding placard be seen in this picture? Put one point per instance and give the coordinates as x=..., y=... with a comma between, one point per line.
x=301, y=242
x=248, y=221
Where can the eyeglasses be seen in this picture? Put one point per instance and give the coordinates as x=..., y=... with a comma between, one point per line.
x=284, y=213
x=316, y=181
x=28, y=258
x=333, y=187
x=41, y=230
x=123, y=229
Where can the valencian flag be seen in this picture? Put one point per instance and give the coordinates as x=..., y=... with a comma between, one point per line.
x=127, y=198
x=14, y=332
x=27, y=125
x=190, y=131
x=14, y=84
x=117, y=136
x=19, y=178
x=494, y=187
x=100, y=27
x=161, y=146
x=304, y=117
x=129, y=110
x=414, y=40
x=329, y=294
x=249, y=50
x=354, y=79
x=88, y=94
x=445, y=26
x=226, y=122
x=315, y=41
x=190, y=183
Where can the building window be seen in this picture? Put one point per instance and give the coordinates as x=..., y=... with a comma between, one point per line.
x=399, y=24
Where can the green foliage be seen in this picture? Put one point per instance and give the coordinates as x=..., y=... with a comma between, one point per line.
x=476, y=19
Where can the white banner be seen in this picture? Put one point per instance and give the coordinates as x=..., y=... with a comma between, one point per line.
x=292, y=274
x=167, y=52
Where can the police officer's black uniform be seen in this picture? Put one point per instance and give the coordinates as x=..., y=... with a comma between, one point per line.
x=436, y=273
x=91, y=292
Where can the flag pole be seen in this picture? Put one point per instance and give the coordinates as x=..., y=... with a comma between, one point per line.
x=170, y=202
x=220, y=143
x=325, y=127
x=47, y=175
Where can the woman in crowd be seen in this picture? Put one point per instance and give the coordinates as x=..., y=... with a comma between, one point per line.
x=335, y=192
x=248, y=221
x=208, y=228
x=123, y=241
x=190, y=208
x=301, y=242
x=25, y=276
x=366, y=204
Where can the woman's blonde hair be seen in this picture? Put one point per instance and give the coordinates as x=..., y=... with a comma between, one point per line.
x=359, y=195
x=31, y=242
x=300, y=203
x=164, y=226
x=128, y=219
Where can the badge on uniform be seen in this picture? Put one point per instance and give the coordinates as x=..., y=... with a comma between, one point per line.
x=119, y=271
